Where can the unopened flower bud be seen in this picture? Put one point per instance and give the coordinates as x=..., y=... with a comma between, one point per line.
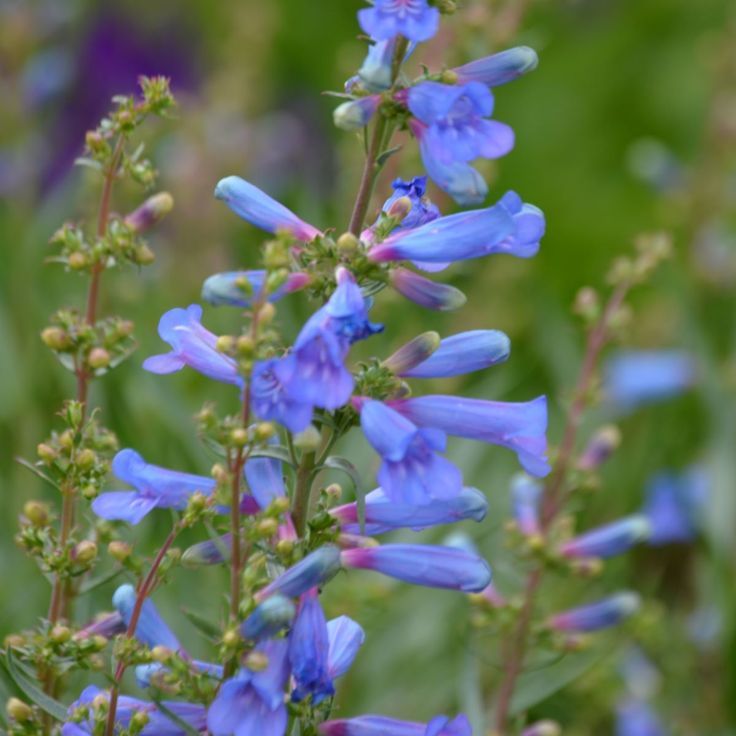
x=125, y=327
x=150, y=212
x=100, y=702
x=356, y=114
x=600, y=447
x=231, y=638
x=119, y=550
x=279, y=505
x=246, y=346
x=285, y=547
x=449, y=76
x=307, y=439
x=348, y=244
x=47, y=453
x=446, y=7
x=13, y=641
x=56, y=338
x=85, y=551
x=77, y=260
x=333, y=492
x=85, y=458
x=36, y=512
x=316, y=568
x=239, y=436
x=219, y=473
x=94, y=141
x=18, y=710
x=587, y=304
x=225, y=344
x=256, y=661
x=66, y=439
x=99, y=641
x=144, y=256
x=139, y=720
x=266, y=314
x=268, y=618
x=267, y=527
x=542, y=728
x=60, y=634
x=265, y=430
x=98, y=358
x=600, y=615
x=161, y=654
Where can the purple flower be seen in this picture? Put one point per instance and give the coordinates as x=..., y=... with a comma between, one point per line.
x=356, y=114
x=155, y=488
x=268, y=618
x=420, y=209
x=609, y=540
x=452, y=126
x=600, y=615
x=384, y=515
x=376, y=71
x=151, y=629
x=412, y=471
x=265, y=478
x=107, y=625
x=272, y=396
x=426, y=293
x=498, y=68
x=432, y=566
x=320, y=377
x=345, y=637
x=526, y=495
x=253, y=702
x=308, y=651
x=510, y=226
x=223, y=288
x=413, y=19
x=519, y=426
x=636, y=377
x=314, y=570
x=159, y=724
x=255, y=206
x=635, y=717
x=673, y=504
x=382, y=726
x=463, y=353
x=192, y=345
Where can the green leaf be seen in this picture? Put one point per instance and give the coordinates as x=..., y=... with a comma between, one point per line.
x=37, y=471
x=340, y=463
x=26, y=683
x=175, y=719
x=210, y=630
x=386, y=155
x=537, y=685
x=94, y=583
x=277, y=452
x=89, y=162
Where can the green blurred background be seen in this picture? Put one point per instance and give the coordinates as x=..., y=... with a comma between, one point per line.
x=626, y=126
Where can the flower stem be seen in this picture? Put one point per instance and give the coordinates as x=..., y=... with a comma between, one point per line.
x=143, y=592
x=302, y=492
x=513, y=659
x=378, y=142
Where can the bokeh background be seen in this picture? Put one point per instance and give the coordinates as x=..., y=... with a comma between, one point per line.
x=628, y=125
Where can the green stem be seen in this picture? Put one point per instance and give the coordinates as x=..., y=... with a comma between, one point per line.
x=303, y=491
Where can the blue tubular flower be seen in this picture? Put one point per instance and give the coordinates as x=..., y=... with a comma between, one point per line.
x=382, y=726
x=159, y=724
x=321, y=378
x=314, y=570
x=224, y=288
x=272, y=397
x=636, y=377
x=600, y=615
x=519, y=426
x=268, y=618
x=209, y=552
x=609, y=540
x=526, y=495
x=413, y=19
x=155, y=487
x=635, y=717
x=452, y=126
x=673, y=504
x=151, y=629
x=308, y=651
x=265, y=477
x=383, y=515
x=356, y=114
x=419, y=564
x=255, y=206
x=411, y=472
x=463, y=353
x=345, y=637
x=253, y=702
x=509, y=227
x=192, y=345
x=498, y=68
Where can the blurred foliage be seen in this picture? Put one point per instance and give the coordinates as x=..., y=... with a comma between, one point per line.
x=624, y=127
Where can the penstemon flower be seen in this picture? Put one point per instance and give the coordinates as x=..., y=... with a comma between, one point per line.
x=413, y=19
x=382, y=726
